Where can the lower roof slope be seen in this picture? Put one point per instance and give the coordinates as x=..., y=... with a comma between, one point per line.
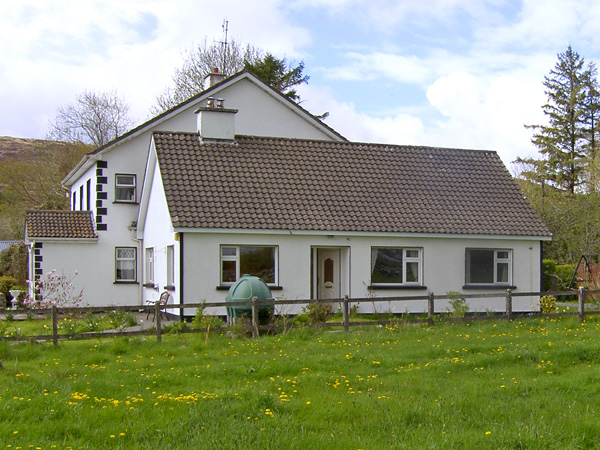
x=60, y=224
x=290, y=184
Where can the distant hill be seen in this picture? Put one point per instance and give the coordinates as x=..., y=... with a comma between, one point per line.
x=25, y=149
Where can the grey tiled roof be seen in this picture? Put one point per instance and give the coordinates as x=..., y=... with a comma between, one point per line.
x=60, y=224
x=291, y=184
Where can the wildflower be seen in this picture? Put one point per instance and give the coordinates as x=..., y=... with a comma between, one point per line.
x=487, y=433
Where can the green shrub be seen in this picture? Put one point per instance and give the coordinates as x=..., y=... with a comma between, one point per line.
x=318, y=312
x=548, y=304
x=458, y=305
x=203, y=321
x=548, y=273
x=7, y=282
x=13, y=262
x=564, y=274
x=120, y=319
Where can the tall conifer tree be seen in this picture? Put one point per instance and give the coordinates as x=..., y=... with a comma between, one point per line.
x=572, y=114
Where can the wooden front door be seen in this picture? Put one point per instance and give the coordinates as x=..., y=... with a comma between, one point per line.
x=328, y=273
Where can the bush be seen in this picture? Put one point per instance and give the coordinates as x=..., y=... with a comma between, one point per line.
x=548, y=304
x=564, y=274
x=7, y=282
x=13, y=262
x=318, y=312
x=203, y=321
x=458, y=305
x=548, y=274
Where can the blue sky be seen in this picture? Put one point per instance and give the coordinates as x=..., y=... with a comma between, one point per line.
x=447, y=73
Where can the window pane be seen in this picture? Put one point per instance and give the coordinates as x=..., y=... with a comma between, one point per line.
x=125, y=194
x=126, y=270
x=259, y=262
x=502, y=255
x=170, y=265
x=412, y=272
x=480, y=266
x=412, y=253
x=228, y=251
x=387, y=267
x=126, y=180
x=502, y=272
x=228, y=271
x=125, y=253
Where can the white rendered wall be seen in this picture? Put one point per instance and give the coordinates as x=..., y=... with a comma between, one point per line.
x=443, y=268
x=158, y=234
x=67, y=259
x=90, y=174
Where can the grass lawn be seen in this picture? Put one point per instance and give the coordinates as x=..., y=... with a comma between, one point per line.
x=529, y=383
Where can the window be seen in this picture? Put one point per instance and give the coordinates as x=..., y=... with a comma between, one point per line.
x=396, y=266
x=149, y=279
x=170, y=265
x=240, y=260
x=125, y=188
x=74, y=206
x=488, y=266
x=125, y=264
x=88, y=203
x=81, y=198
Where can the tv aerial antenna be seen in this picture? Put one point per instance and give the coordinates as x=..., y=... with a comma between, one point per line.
x=224, y=44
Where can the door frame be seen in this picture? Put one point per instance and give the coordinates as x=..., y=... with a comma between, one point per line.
x=343, y=269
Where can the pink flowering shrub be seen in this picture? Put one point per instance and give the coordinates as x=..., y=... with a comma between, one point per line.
x=54, y=289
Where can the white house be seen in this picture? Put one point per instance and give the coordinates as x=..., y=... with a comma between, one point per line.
x=323, y=219
x=98, y=237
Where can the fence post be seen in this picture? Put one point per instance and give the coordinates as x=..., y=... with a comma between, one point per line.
x=508, y=304
x=345, y=314
x=581, y=303
x=254, y=317
x=54, y=325
x=430, y=307
x=157, y=307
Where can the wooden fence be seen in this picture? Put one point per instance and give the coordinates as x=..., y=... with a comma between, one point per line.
x=344, y=303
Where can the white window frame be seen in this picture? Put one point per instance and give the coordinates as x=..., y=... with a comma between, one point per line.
x=405, y=260
x=236, y=259
x=122, y=185
x=149, y=266
x=122, y=259
x=170, y=265
x=497, y=260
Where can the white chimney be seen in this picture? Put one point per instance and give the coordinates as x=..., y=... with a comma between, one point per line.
x=214, y=77
x=215, y=122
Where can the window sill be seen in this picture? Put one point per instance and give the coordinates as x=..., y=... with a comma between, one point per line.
x=169, y=288
x=124, y=203
x=396, y=287
x=226, y=288
x=149, y=285
x=488, y=287
x=125, y=282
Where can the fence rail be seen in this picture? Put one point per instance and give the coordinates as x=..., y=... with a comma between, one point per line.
x=344, y=303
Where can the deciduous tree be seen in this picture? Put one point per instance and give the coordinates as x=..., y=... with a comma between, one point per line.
x=198, y=62
x=94, y=118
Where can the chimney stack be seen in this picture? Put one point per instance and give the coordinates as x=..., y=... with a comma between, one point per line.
x=215, y=122
x=214, y=77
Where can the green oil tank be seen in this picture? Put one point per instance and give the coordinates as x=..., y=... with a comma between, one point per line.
x=243, y=290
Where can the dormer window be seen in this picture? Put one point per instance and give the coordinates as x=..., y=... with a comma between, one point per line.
x=125, y=188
